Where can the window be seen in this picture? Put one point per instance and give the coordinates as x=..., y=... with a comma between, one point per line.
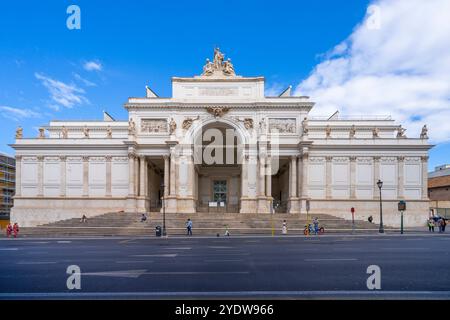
x=220, y=190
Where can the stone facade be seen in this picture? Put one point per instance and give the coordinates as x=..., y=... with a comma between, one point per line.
x=281, y=158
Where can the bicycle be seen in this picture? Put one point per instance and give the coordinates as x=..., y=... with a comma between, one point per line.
x=310, y=229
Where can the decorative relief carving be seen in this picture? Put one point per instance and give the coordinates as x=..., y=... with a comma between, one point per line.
x=97, y=159
x=366, y=160
x=154, y=125
x=305, y=126
x=219, y=66
x=424, y=158
x=328, y=131
x=389, y=159
x=412, y=159
x=400, y=158
x=120, y=159
x=131, y=127
x=86, y=132
x=375, y=132
x=217, y=111
x=248, y=123
x=64, y=133
x=172, y=126
x=109, y=132
x=282, y=125
x=340, y=159
x=376, y=158
x=352, y=132
x=49, y=159
x=352, y=158
x=317, y=159
x=187, y=123
x=30, y=159
x=74, y=159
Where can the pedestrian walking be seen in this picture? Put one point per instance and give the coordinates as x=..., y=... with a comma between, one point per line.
x=431, y=225
x=439, y=225
x=444, y=223
x=284, y=227
x=16, y=230
x=9, y=230
x=316, y=225
x=189, y=227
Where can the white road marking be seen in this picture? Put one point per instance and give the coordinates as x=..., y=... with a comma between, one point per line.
x=357, y=294
x=36, y=262
x=195, y=272
x=120, y=274
x=40, y=242
x=64, y=241
x=165, y=255
x=224, y=260
x=9, y=249
x=332, y=259
x=220, y=247
x=393, y=248
x=135, y=261
x=179, y=248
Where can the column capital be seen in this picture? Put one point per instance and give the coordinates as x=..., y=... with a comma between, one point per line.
x=18, y=158
x=400, y=158
x=108, y=158
x=328, y=158
x=62, y=158
x=352, y=158
x=40, y=158
x=85, y=158
x=166, y=157
x=131, y=155
x=424, y=158
x=376, y=158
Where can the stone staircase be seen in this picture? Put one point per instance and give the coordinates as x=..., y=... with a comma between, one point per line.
x=205, y=224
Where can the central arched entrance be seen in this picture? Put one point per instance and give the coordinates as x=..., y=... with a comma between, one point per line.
x=218, y=151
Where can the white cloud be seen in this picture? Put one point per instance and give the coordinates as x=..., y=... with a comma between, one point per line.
x=401, y=69
x=17, y=114
x=61, y=93
x=93, y=66
x=84, y=81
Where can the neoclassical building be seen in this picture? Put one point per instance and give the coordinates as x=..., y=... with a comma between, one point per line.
x=220, y=144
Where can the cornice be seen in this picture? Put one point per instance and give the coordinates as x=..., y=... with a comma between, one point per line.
x=235, y=105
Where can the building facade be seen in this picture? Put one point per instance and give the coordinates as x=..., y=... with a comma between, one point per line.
x=220, y=144
x=439, y=190
x=7, y=183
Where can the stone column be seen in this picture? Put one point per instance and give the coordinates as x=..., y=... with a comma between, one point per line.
x=352, y=177
x=85, y=176
x=244, y=176
x=424, y=177
x=173, y=171
x=108, y=176
x=376, y=176
x=166, y=175
x=299, y=176
x=40, y=175
x=269, y=177
x=143, y=173
x=328, y=179
x=305, y=160
x=401, y=179
x=62, y=187
x=136, y=175
x=18, y=188
x=262, y=185
x=131, y=173
x=293, y=177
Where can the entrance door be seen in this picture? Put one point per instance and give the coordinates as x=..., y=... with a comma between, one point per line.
x=220, y=193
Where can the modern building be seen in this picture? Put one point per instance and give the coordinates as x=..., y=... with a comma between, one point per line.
x=7, y=183
x=439, y=190
x=219, y=142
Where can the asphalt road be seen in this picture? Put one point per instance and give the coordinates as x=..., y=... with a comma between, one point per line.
x=412, y=266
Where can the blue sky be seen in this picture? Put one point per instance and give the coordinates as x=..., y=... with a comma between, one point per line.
x=50, y=72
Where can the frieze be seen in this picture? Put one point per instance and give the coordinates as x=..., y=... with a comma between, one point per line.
x=282, y=125
x=154, y=125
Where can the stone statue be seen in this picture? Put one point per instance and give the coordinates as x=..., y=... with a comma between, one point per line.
x=131, y=127
x=328, y=131
x=401, y=132
x=187, y=123
x=305, y=126
x=352, y=132
x=208, y=68
x=86, y=132
x=109, y=132
x=262, y=125
x=375, y=132
x=19, y=133
x=218, y=59
x=228, y=68
x=64, y=132
x=172, y=126
x=41, y=133
x=424, y=133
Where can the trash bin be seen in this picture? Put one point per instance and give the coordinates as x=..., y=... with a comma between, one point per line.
x=158, y=231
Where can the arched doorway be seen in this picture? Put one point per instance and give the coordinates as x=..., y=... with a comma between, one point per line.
x=218, y=152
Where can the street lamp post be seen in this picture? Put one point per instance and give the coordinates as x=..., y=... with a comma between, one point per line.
x=380, y=185
x=163, y=204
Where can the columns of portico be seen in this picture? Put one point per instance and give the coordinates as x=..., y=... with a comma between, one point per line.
x=376, y=176
x=328, y=175
x=108, y=176
x=85, y=176
x=142, y=200
x=304, y=182
x=249, y=177
x=18, y=188
x=401, y=179
x=40, y=175
x=424, y=177
x=293, y=200
x=352, y=177
x=166, y=174
x=62, y=186
x=171, y=199
x=131, y=174
x=269, y=178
